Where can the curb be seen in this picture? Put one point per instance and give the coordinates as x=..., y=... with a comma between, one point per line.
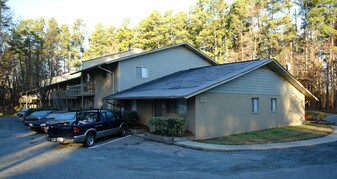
x=165, y=139
x=227, y=148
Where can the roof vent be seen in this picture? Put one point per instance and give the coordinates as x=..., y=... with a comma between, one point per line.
x=288, y=67
x=130, y=47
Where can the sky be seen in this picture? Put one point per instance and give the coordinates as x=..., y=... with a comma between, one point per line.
x=108, y=12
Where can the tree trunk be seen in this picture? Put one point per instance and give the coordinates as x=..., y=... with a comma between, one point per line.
x=327, y=96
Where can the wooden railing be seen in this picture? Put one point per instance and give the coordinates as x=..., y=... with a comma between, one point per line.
x=80, y=90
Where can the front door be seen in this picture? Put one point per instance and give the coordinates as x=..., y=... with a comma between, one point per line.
x=160, y=108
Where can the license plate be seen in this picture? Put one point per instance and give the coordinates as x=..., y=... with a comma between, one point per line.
x=60, y=139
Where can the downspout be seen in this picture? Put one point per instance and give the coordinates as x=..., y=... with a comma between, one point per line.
x=113, y=77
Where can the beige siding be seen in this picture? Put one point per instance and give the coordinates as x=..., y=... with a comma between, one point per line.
x=220, y=113
x=103, y=86
x=159, y=64
x=145, y=110
x=260, y=81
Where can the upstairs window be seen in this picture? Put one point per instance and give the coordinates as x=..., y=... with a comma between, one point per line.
x=255, y=105
x=87, y=77
x=273, y=104
x=141, y=72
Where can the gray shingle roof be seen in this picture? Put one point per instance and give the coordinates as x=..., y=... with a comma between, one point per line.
x=187, y=83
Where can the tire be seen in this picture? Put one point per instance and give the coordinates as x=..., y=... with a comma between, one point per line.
x=89, y=140
x=123, y=130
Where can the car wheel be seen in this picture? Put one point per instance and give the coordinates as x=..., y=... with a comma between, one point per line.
x=123, y=131
x=89, y=140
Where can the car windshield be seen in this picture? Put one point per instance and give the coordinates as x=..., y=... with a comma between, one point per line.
x=39, y=113
x=62, y=116
x=24, y=109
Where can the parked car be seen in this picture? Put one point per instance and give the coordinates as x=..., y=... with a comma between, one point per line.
x=89, y=126
x=58, y=118
x=35, y=120
x=23, y=112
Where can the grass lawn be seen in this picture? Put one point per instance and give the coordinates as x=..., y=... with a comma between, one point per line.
x=282, y=134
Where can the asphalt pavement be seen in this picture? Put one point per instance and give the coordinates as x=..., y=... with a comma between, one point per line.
x=25, y=154
x=332, y=118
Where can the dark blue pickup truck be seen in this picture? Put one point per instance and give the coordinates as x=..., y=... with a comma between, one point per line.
x=89, y=125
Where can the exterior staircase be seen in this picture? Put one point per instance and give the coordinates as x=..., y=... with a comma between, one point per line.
x=58, y=100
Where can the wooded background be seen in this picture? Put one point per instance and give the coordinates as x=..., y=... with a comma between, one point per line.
x=300, y=34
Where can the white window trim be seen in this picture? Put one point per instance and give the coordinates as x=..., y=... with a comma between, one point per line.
x=147, y=72
x=273, y=108
x=255, y=109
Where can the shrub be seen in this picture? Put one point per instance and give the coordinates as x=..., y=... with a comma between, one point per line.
x=314, y=115
x=168, y=125
x=131, y=118
x=9, y=113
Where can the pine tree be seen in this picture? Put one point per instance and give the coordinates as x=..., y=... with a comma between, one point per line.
x=52, y=40
x=238, y=25
x=150, y=32
x=208, y=28
x=102, y=42
x=125, y=36
x=78, y=33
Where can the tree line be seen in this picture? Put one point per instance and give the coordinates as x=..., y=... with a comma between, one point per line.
x=300, y=34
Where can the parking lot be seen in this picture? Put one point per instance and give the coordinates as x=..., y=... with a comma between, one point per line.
x=26, y=154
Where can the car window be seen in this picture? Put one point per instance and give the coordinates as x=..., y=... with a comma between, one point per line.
x=24, y=109
x=88, y=117
x=40, y=113
x=105, y=118
x=62, y=116
x=110, y=116
x=66, y=116
x=51, y=116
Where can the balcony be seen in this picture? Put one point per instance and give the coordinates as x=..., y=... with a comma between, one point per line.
x=80, y=90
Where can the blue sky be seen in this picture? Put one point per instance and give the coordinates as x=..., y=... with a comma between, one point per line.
x=108, y=12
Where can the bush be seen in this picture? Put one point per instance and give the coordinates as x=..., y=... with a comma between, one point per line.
x=131, y=118
x=168, y=125
x=8, y=113
x=314, y=115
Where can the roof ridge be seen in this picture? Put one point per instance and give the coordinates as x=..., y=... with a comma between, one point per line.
x=246, y=61
x=116, y=53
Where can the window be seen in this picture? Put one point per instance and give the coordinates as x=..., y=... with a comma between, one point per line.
x=105, y=118
x=172, y=106
x=182, y=106
x=273, y=104
x=141, y=72
x=255, y=105
x=133, y=105
x=87, y=78
x=109, y=116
